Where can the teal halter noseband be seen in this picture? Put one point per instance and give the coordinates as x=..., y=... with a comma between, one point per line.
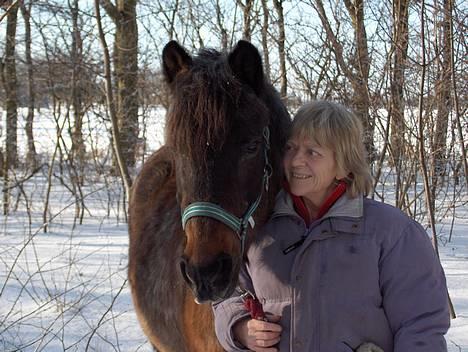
x=238, y=225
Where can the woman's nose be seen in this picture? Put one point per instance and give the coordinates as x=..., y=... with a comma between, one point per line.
x=297, y=158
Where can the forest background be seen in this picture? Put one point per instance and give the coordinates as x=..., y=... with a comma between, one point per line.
x=83, y=103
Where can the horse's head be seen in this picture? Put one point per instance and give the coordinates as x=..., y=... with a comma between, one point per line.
x=221, y=123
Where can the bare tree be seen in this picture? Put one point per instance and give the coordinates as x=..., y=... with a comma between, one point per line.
x=221, y=25
x=456, y=102
x=10, y=85
x=443, y=86
x=356, y=69
x=77, y=154
x=125, y=62
x=31, y=153
x=8, y=73
x=397, y=83
x=265, y=24
x=422, y=156
x=247, y=9
x=281, y=48
x=117, y=143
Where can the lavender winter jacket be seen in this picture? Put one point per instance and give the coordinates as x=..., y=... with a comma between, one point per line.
x=364, y=273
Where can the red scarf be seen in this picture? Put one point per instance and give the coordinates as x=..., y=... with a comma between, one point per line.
x=301, y=209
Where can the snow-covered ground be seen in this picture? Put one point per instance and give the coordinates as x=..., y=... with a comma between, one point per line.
x=66, y=289
x=454, y=258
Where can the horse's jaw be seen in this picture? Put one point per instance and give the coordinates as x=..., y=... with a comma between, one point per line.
x=214, y=297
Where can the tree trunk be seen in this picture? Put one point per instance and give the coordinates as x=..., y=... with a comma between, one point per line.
x=443, y=99
x=78, y=151
x=397, y=81
x=10, y=84
x=422, y=159
x=357, y=69
x=31, y=156
x=266, y=55
x=361, y=65
x=125, y=57
x=222, y=29
x=116, y=142
x=281, y=48
x=247, y=15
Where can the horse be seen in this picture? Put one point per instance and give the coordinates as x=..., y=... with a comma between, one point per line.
x=198, y=199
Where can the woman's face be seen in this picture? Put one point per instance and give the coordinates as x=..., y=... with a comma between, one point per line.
x=310, y=169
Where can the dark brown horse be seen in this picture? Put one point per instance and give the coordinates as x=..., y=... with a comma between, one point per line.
x=225, y=130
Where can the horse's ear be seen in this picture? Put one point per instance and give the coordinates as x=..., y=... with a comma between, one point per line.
x=246, y=64
x=175, y=59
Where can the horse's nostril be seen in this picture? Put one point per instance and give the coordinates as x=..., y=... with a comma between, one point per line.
x=184, y=270
x=216, y=274
x=224, y=264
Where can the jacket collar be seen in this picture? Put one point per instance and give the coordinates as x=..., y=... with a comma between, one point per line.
x=343, y=207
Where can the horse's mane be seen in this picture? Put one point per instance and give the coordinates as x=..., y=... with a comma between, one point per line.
x=207, y=93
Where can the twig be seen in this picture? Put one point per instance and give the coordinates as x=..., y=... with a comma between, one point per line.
x=105, y=313
x=8, y=10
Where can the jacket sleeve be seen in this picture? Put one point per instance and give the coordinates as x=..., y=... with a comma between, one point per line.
x=230, y=311
x=415, y=296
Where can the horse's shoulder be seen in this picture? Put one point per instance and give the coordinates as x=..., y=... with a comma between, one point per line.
x=155, y=173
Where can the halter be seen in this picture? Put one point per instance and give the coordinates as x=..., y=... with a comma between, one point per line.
x=238, y=225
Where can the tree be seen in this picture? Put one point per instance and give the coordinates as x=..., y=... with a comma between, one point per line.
x=281, y=47
x=247, y=15
x=399, y=50
x=77, y=154
x=31, y=157
x=221, y=26
x=356, y=69
x=117, y=143
x=443, y=95
x=265, y=23
x=125, y=62
x=10, y=85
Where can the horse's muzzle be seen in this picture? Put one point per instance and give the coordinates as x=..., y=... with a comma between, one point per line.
x=210, y=282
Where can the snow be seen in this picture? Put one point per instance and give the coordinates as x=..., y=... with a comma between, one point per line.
x=67, y=289
x=454, y=258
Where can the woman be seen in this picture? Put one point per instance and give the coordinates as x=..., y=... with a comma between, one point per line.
x=332, y=269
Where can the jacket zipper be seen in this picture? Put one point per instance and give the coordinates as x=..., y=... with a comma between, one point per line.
x=294, y=245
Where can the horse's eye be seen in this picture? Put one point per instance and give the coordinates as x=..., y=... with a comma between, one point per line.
x=251, y=148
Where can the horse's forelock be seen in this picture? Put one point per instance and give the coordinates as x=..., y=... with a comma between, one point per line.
x=203, y=101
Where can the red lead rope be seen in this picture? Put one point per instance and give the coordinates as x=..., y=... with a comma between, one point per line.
x=253, y=305
x=255, y=308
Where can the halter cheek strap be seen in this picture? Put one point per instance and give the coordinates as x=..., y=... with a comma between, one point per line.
x=214, y=211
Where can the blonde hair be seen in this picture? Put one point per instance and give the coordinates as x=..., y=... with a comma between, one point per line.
x=333, y=126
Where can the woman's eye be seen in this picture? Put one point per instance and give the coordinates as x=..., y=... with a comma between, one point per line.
x=313, y=152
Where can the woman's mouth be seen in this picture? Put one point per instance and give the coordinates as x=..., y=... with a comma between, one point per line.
x=300, y=176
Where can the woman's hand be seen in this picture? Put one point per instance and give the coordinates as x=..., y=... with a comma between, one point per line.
x=258, y=335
